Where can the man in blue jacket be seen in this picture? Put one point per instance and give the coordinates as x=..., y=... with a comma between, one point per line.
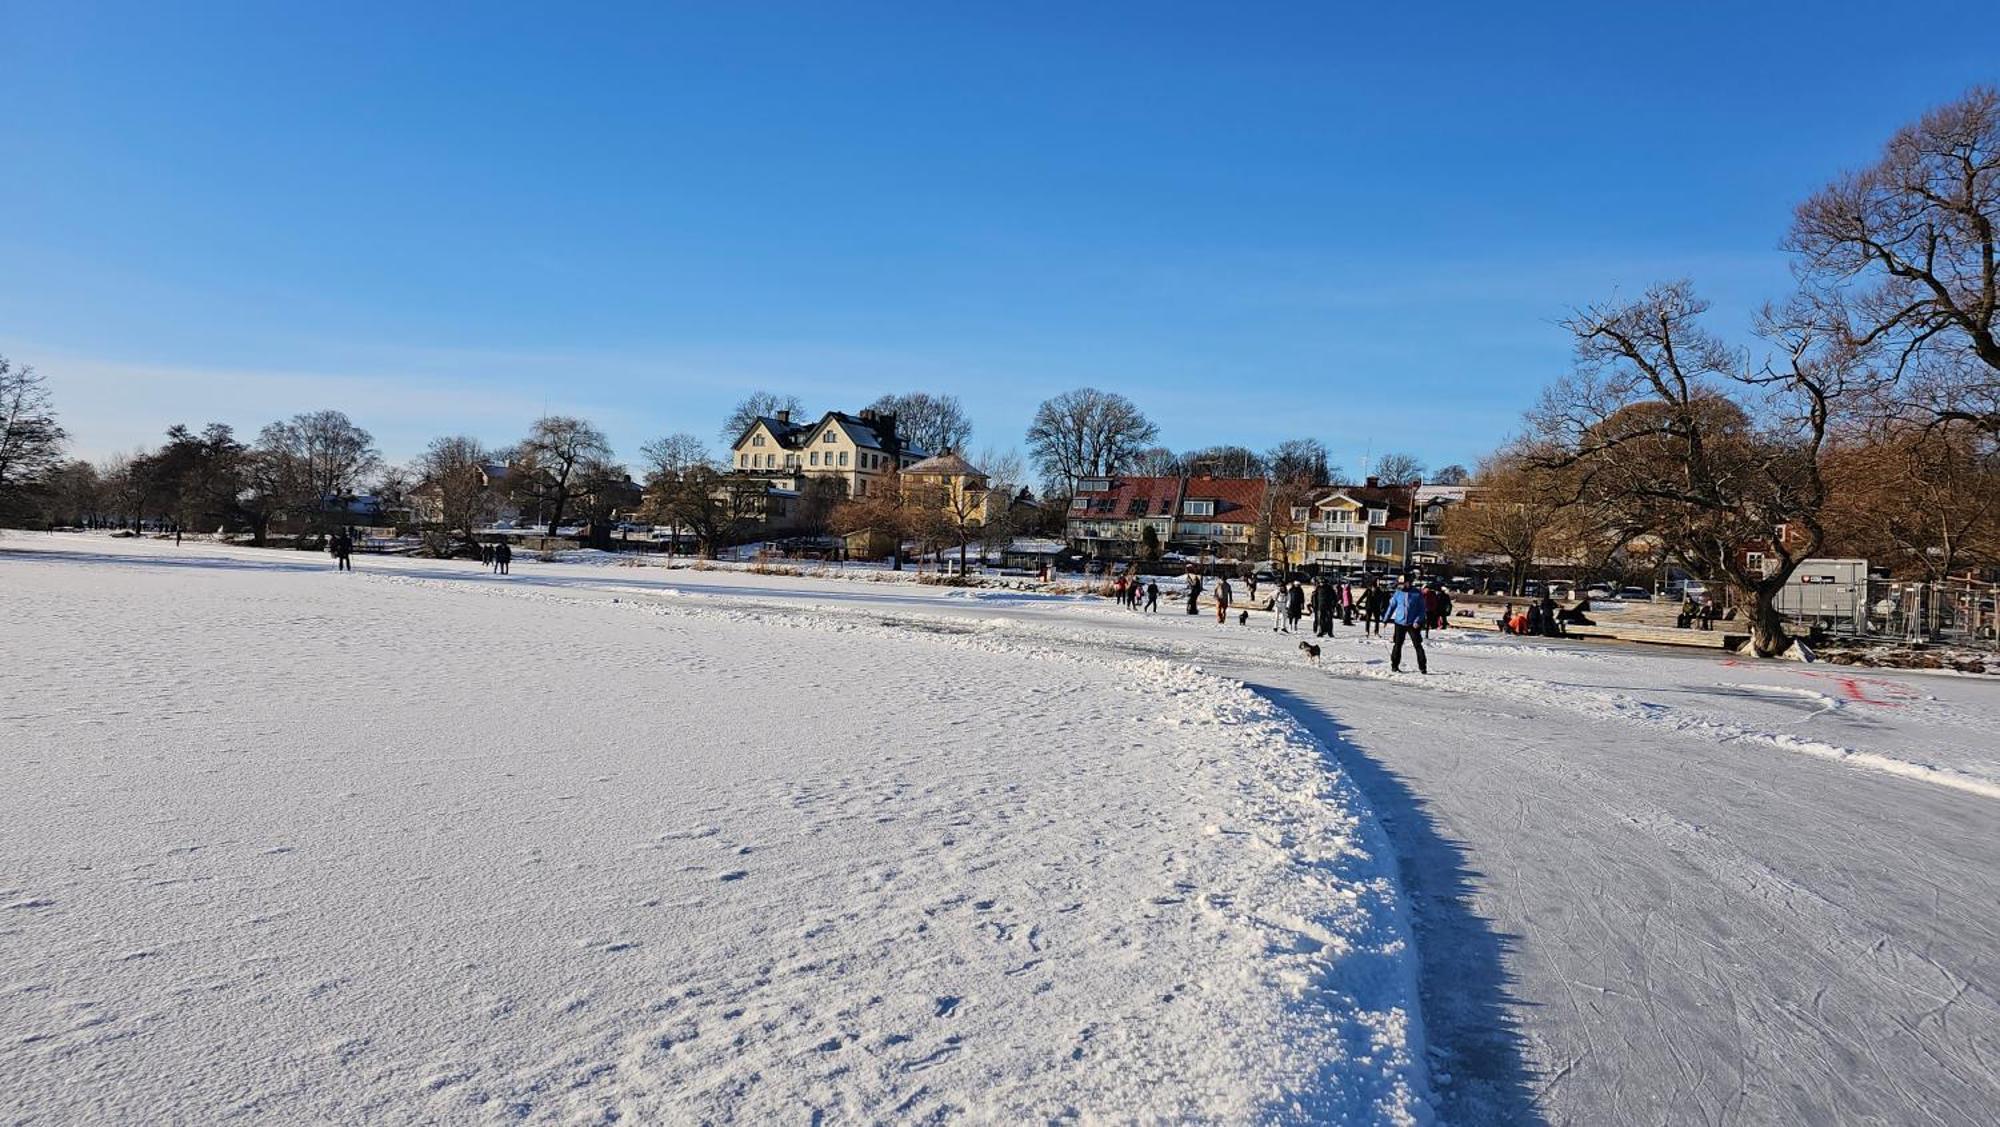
x=1406, y=614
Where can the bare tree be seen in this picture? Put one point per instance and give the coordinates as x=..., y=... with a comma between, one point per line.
x=675, y=454
x=885, y=510
x=1085, y=433
x=1299, y=460
x=1453, y=474
x=309, y=463
x=1155, y=461
x=74, y=493
x=452, y=485
x=556, y=448
x=1669, y=430
x=1898, y=263
x=1398, y=469
x=756, y=405
x=1223, y=461
x=31, y=442
x=1508, y=518
x=931, y=423
x=704, y=501
x=1923, y=500
x=668, y=463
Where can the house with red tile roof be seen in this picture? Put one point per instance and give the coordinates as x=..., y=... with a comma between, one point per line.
x=1199, y=515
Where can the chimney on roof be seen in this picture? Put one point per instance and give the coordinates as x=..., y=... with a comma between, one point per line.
x=1374, y=482
x=784, y=416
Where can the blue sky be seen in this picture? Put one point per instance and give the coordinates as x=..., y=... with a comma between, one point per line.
x=1258, y=221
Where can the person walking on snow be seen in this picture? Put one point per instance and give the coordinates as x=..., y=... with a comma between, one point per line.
x=1222, y=595
x=1152, y=597
x=1295, y=604
x=1193, y=592
x=502, y=557
x=1406, y=615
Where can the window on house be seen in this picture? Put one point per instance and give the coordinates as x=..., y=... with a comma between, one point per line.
x=813, y=458
x=1197, y=508
x=1384, y=546
x=1136, y=508
x=1080, y=504
x=1298, y=513
x=1378, y=517
x=1093, y=485
x=828, y=437
x=843, y=457
x=743, y=461
x=861, y=488
x=757, y=441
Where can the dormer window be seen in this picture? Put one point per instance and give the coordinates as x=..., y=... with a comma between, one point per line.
x=1197, y=508
x=1378, y=517
x=1093, y=485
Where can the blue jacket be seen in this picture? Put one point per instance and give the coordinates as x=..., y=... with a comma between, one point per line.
x=1406, y=608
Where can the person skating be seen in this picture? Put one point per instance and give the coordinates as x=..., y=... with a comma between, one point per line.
x=1406, y=615
x=1374, y=601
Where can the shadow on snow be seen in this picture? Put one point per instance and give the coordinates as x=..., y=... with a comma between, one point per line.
x=1463, y=982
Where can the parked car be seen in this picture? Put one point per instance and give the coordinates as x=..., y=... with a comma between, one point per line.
x=1599, y=591
x=1634, y=595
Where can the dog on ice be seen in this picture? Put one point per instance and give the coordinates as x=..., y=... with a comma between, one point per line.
x=1311, y=651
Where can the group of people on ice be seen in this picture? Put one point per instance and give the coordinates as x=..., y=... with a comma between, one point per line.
x=1135, y=595
x=498, y=557
x=1411, y=608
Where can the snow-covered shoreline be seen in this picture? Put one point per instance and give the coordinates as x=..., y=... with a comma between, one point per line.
x=374, y=846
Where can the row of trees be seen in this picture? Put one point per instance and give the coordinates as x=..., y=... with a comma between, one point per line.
x=1868, y=422
x=1093, y=433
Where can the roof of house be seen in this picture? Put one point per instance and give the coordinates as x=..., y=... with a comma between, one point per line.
x=1239, y=500
x=946, y=464
x=867, y=430
x=1395, y=499
x=1130, y=498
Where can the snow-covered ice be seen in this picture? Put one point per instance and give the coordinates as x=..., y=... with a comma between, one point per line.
x=1644, y=885
x=419, y=844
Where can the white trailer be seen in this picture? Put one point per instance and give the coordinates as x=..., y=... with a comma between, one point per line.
x=1828, y=592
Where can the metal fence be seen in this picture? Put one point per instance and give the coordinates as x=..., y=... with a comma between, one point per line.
x=1949, y=613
